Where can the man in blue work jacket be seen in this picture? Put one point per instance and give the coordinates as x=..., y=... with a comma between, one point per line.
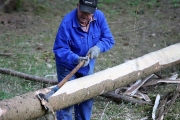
x=83, y=31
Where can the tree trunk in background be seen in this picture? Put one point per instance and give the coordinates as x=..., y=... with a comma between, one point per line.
x=8, y=5
x=27, y=106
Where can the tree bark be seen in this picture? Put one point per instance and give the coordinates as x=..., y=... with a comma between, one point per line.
x=28, y=106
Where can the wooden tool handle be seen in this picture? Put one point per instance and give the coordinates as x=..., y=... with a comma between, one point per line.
x=71, y=73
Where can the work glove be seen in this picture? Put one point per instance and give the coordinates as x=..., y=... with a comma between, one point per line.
x=94, y=52
x=84, y=58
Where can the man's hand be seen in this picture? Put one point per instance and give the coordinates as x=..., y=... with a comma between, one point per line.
x=94, y=52
x=86, y=60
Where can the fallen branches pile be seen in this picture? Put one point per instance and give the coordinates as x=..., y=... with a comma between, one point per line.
x=135, y=95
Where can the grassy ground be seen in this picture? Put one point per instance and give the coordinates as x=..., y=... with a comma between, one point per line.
x=139, y=27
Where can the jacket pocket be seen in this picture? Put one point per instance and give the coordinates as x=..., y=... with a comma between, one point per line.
x=96, y=36
x=78, y=41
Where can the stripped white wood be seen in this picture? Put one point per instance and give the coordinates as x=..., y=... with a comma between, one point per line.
x=155, y=107
x=174, y=77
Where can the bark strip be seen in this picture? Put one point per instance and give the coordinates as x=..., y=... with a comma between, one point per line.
x=120, y=97
x=154, y=82
x=27, y=106
x=169, y=105
x=134, y=88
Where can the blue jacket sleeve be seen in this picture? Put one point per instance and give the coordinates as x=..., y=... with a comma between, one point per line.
x=61, y=47
x=106, y=41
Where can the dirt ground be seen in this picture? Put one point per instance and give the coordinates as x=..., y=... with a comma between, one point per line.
x=138, y=28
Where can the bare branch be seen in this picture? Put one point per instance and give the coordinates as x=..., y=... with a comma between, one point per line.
x=27, y=77
x=119, y=97
x=174, y=96
x=153, y=82
x=104, y=111
x=5, y=54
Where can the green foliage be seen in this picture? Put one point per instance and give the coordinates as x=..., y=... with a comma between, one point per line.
x=133, y=2
x=107, y=1
x=151, y=3
x=19, y=5
x=41, y=6
x=175, y=3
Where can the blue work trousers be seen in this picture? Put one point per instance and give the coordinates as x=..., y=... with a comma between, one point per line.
x=83, y=110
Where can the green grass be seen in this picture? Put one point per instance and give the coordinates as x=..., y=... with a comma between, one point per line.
x=5, y=95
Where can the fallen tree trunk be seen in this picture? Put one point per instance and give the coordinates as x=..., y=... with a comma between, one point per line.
x=27, y=106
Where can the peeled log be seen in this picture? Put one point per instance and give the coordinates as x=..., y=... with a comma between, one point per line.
x=27, y=106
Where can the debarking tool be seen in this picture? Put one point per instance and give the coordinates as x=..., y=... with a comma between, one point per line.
x=44, y=98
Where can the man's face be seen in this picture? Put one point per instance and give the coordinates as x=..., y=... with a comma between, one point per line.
x=83, y=17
